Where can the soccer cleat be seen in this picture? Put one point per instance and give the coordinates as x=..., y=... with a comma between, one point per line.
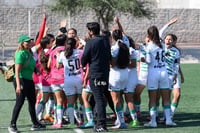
x=42, y=121
x=134, y=123
x=13, y=129
x=65, y=121
x=151, y=124
x=120, y=126
x=38, y=127
x=57, y=125
x=170, y=123
x=100, y=129
x=88, y=124
x=79, y=123
x=49, y=118
x=71, y=125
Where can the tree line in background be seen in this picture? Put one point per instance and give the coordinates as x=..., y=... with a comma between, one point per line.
x=105, y=10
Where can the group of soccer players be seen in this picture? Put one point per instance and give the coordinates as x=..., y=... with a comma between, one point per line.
x=62, y=81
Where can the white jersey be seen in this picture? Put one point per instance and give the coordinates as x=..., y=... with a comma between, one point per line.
x=155, y=57
x=142, y=68
x=118, y=77
x=172, y=61
x=162, y=31
x=34, y=50
x=132, y=74
x=72, y=65
x=126, y=40
x=72, y=72
x=132, y=53
x=157, y=73
x=143, y=65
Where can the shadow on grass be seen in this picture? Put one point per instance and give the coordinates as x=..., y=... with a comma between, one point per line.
x=6, y=100
x=182, y=119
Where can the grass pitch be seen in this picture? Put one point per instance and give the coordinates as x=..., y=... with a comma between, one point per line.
x=187, y=116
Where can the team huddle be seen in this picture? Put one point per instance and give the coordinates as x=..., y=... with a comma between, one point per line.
x=67, y=73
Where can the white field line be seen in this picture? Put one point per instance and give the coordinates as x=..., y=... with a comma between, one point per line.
x=78, y=130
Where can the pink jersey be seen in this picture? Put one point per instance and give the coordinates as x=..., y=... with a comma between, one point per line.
x=36, y=77
x=57, y=75
x=45, y=77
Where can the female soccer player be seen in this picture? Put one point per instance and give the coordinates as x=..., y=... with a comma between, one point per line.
x=118, y=78
x=176, y=87
x=57, y=79
x=70, y=59
x=45, y=76
x=157, y=77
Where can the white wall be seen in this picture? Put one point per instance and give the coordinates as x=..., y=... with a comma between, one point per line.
x=25, y=3
x=177, y=4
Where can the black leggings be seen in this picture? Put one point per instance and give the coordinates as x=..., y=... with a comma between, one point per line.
x=107, y=96
x=28, y=90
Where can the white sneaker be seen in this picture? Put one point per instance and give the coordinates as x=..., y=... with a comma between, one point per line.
x=170, y=123
x=151, y=124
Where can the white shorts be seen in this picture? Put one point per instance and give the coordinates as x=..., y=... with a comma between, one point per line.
x=118, y=79
x=142, y=78
x=46, y=89
x=171, y=82
x=58, y=87
x=38, y=86
x=178, y=82
x=73, y=86
x=87, y=89
x=132, y=81
x=157, y=78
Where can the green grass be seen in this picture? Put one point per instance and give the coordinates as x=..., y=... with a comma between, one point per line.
x=187, y=116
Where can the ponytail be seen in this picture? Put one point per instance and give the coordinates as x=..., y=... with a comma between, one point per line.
x=43, y=60
x=43, y=57
x=153, y=35
x=71, y=43
x=122, y=60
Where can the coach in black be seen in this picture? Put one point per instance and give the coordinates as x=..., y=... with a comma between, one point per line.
x=97, y=54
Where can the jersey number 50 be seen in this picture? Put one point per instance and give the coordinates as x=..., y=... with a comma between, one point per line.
x=74, y=64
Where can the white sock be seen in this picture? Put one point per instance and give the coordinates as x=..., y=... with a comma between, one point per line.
x=77, y=114
x=167, y=114
x=120, y=114
x=49, y=106
x=89, y=114
x=70, y=110
x=153, y=114
x=55, y=113
x=133, y=114
x=39, y=110
x=59, y=113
